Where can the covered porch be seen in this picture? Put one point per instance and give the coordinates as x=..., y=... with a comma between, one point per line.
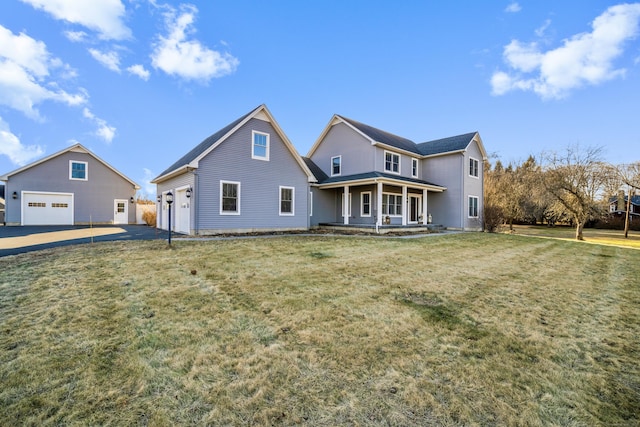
x=380, y=201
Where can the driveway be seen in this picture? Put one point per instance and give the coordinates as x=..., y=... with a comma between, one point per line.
x=17, y=240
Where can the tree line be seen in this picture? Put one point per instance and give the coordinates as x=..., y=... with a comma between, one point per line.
x=572, y=186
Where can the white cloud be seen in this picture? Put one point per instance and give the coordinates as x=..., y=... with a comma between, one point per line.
x=104, y=16
x=76, y=36
x=10, y=146
x=178, y=55
x=513, y=8
x=104, y=131
x=543, y=28
x=147, y=186
x=25, y=80
x=584, y=59
x=111, y=59
x=139, y=71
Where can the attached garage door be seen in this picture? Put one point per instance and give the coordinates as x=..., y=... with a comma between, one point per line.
x=47, y=208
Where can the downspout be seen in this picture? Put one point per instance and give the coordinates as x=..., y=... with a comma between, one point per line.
x=463, y=193
x=194, y=202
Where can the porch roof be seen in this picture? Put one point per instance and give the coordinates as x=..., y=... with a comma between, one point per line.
x=375, y=177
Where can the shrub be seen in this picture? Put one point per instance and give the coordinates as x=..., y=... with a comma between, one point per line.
x=149, y=217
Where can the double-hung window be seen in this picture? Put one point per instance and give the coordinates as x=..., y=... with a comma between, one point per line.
x=391, y=162
x=392, y=204
x=336, y=165
x=78, y=170
x=287, y=200
x=473, y=207
x=474, y=165
x=365, y=203
x=260, y=145
x=229, y=198
x=414, y=168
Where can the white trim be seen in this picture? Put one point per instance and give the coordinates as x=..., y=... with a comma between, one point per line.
x=126, y=210
x=310, y=203
x=86, y=170
x=478, y=168
x=253, y=145
x=237, y=211
x=362, y=214
x=293, y=200
x=417, y=162
x=22, y=198
x=419, y=206
x=469, y=197
x=384, y=161
x=340, y=164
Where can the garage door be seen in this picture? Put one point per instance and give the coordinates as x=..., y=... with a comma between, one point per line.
x=47, y=208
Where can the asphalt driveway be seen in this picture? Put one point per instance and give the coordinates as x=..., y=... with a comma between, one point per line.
x=17, y=240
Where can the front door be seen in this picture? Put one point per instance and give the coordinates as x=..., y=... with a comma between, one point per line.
x=415, y=208
x=121, y=215
x=182, y=211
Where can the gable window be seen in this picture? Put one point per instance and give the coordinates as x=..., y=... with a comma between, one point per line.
x=414, y=168
x=260, y=145
x=286, y=200
x=391, y=162
x=78, y=170
x=365, y=203
x=473, y=167
x=229, y=198
x=336, y=165
x=392, y=204
x=473, y=207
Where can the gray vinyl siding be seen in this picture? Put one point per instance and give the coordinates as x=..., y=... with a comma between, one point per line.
x=473, y=187
x=324, y=206
x=93, y=199
x=446, y=208
x=259, y=184
x=405, y=163
x=358, y=155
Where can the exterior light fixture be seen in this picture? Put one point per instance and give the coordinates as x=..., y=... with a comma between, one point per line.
x=188, y=192
x=159, y=198
x=15, y=195
x=131, y=199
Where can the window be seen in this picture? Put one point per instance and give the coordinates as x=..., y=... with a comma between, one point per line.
x=391, y=162
x=78, y=170
x=229, y=198
x=336, y=165
x=260, y=147
x=365, y=204
x=59, y=205
x=392, y=204
x=473, y=207
x=414, y=168
x=473, y=167
x=286, y=200
x=37, y=205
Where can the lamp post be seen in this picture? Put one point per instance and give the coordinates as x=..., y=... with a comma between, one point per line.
x=169, y=199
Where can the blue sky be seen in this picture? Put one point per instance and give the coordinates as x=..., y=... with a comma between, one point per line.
x=141, y=82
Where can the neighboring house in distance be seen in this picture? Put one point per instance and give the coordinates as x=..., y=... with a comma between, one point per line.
x=72, y=186
x=371, y=177
x=245, y=177
x=618, y=206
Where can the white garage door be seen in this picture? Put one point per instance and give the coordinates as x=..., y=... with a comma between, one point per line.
x=47, y=208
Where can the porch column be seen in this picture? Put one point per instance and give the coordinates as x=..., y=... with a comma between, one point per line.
x=425, y=212
x=379, y=204
x=405, y=205
x=345, y=205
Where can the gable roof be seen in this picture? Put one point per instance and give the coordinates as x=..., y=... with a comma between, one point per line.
x=446, y=145
x=635, y=200
x=76, y=148
x=315, y=169
x=192, y=158
x=426, y=149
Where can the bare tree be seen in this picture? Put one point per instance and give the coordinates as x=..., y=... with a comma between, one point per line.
x=630, y=176
x=574, y=178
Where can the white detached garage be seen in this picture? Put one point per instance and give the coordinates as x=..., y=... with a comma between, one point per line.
x=70, y=187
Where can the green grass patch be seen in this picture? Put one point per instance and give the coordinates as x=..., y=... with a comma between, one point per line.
x=467, y=329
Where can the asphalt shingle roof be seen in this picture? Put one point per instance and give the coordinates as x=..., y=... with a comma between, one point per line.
x=315, y=169
x=204, y=145
x=445, y=145
x=383, y=137
x=368, y=175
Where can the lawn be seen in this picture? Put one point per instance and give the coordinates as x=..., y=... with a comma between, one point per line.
x=591, y=235
x=466, y=329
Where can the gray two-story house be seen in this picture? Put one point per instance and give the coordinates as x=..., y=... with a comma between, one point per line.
x=245, y=177
x=367, y=176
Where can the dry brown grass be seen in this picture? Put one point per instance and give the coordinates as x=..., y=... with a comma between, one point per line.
x=469, y=329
